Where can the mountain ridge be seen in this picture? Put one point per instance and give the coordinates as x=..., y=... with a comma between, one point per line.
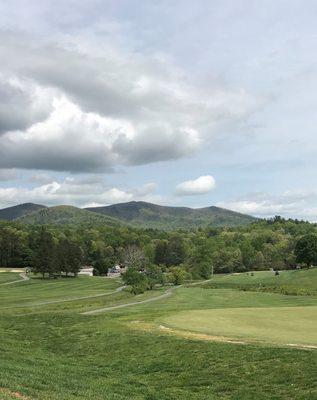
x=19, y=210
x=134, y=213
x=149, y=215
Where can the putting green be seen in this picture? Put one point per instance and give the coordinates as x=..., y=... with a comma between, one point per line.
x=283, y=325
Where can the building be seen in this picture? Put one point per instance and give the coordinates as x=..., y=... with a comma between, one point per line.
x=87, y=270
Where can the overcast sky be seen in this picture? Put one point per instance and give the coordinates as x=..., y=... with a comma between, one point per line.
x=177, y=102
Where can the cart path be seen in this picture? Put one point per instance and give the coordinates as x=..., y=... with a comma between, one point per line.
x=42, y=303
x=134, y=303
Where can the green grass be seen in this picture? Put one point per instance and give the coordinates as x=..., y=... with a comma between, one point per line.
x=6, y=277
x=37, y=291
x=53, y=352
x=297, y=282
x=295, y=325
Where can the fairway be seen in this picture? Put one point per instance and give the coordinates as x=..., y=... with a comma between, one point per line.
x=37, y=291
x=51, y=351
x=283, y=325
x=288, y=282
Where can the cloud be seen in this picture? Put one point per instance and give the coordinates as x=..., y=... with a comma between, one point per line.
x=295, y=204
x=201, y=185
x=21, y=104
x=83, y=192
x=103, y=107
x=7, y=174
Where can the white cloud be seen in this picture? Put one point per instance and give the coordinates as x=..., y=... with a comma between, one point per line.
x=106, y=107
x=295, y=204
x=82, y=192
x=201, y=185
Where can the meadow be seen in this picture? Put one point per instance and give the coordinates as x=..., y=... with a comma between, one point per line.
x=171, y=348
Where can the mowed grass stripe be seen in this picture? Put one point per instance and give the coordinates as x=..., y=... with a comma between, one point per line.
x=283, y=325
x=38, y=290
x=6, y=277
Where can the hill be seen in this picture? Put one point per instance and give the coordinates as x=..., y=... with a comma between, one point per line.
x=12, y=213
x=294, y=282
x=66, y=215
x=148, y=215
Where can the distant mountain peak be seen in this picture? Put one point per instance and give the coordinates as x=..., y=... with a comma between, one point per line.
x=12, y=213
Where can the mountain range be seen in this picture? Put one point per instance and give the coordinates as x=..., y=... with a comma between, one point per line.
x=135, y=213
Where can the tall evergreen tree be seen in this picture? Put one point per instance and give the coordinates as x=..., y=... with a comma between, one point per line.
x=45, y=256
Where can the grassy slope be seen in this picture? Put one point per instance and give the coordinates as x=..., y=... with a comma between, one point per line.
x=150, y=215
x=36, y=291
x=290, y=282
x=6, y=277
x=51, y=352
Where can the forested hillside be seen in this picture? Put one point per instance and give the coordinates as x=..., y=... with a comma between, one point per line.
x=65, y=215
x=148, y=215
x=277, y=244
x=12, y=213
x=138, y=214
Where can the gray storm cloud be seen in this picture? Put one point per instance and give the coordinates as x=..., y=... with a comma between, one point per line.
x=109, y=108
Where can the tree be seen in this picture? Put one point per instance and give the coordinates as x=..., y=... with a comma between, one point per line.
x=177, y=275
x=205, y=269
x=176, y=251
x=154, y=275
x=45, y=256
x=259, y=261
x=306, y=250
x=160, y=252
x=136, y=280
x=200, y=260
x=104, y=261
x=228, y=260
x=135, y=258
x=75, y=258
x=248, y=254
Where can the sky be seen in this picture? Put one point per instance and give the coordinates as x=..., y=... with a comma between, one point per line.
x=175, y=102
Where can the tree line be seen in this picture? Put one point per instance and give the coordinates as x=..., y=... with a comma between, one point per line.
x=158, y=256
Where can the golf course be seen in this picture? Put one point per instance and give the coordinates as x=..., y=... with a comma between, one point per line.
x=90, y=338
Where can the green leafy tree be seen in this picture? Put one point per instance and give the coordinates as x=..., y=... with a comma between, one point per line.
x=176, y=250
x=259, y=261
x=160, y=252
x=177, y=275
x=136, y=280
x=306, y=250
x=154, y=275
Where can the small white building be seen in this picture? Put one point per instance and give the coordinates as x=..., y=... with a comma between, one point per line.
x=88, y=271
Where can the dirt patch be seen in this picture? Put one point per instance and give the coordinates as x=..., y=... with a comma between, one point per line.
x=199, y=336
x=14, y=395
x=185, y=334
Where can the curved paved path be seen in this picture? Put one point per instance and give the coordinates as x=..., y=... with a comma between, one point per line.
x=134, y=303
x=42, y=303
